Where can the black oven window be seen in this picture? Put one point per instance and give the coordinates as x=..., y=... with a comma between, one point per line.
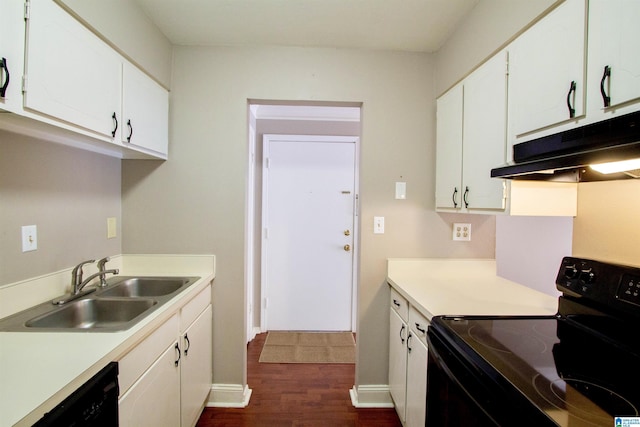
x=448, y=404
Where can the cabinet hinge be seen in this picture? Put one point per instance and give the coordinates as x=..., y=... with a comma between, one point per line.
x=266, y=162
x=27, y=10
x=24, y=84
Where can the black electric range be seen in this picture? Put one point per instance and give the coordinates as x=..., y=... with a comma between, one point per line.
x=580, y=367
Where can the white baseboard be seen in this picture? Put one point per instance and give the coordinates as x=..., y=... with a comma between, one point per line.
x=229, y=396
x=254, y=331
x=371, y=396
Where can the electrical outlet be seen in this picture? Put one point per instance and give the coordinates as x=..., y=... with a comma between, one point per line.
x=461, y=232
x=112, y=227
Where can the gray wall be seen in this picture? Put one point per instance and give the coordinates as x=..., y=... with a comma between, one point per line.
x=195, y=202
x=67, y=193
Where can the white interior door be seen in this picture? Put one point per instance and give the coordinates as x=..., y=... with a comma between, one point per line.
x=308, y=219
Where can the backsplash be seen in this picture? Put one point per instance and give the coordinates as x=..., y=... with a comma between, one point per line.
x=606, y=227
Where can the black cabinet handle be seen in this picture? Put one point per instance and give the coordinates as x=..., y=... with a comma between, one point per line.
x=115, y=128
x=130, y=130
x=177, y=347
x=605, y=98
x=401, y=337
x=419, y=328
x=186, y=350
x=3, y=66
x=464, y=197
x=572, y=90
x=396, y=303
x=409, y=341
x=454, y=198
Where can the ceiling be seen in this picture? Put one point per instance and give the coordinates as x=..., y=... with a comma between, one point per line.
x=407, y=25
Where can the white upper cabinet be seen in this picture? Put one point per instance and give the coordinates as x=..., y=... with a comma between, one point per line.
x=471, y=139
x=11, y=54
x=65, y=84
x=449, y=149
x=485, y=134
x=71, y=74
x=614, y=63
x=145, y=112
x=547, y=70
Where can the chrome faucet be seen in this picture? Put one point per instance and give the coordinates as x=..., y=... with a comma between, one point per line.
x=76, y=277
x=102, y=274
x=101, y=269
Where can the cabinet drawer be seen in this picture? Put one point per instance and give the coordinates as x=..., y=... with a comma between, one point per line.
x=138, y=360
x=399, y=304
x=192, y=310
x=418, y=324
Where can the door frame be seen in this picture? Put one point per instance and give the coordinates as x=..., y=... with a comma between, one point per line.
x=356, y=217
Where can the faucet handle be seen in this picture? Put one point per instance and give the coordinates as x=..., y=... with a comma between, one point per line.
x=102, y=262
x=76, y=274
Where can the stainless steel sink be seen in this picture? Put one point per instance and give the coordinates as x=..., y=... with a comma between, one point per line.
x=92, y=313
x=118, y=306
x=146, y=287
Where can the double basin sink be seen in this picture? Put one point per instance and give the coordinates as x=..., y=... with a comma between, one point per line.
x=118, y=306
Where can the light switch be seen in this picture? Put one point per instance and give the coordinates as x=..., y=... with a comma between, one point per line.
x=378, y=225
x=401, y=190
x=29, y=238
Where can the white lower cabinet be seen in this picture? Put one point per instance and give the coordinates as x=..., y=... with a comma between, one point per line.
x=165, y=380
x=154, y=400
x=407, y=362
x=195, y=378
x=398, y=363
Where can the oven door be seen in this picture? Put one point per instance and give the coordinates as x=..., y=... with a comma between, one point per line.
x=449, y=402
x=465, y=390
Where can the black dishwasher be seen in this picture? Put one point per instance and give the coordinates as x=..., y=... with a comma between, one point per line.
x=94, y=404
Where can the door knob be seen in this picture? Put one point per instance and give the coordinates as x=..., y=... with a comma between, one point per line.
x=347, y=233
x=347, y=248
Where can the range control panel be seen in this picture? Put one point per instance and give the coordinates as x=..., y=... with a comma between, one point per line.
x=612, y=285
x=629, y=289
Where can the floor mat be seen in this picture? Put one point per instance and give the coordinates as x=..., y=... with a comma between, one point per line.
x=309, y=347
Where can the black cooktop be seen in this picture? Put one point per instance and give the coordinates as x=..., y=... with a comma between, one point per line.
x=574, y=377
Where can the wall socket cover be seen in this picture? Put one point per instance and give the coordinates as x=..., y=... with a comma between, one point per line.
x=378, y=225
x=461, y=232
x=29, y=238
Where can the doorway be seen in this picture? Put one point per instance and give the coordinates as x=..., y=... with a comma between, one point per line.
x=320, y=120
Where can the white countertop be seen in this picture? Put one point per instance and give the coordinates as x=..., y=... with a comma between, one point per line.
x=38, y=370
x=463, y=287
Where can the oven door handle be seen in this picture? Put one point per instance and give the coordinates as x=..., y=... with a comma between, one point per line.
x=433, y=351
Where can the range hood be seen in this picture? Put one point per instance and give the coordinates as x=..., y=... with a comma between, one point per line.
x=566, y=156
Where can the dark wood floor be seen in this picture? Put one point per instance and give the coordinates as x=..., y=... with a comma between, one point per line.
x=297, y=395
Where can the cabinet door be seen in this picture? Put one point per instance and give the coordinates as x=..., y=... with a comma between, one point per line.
x=543, y=63
x=614, y=42
x=398, y=333
x=485, y=133
x=145, y=112
x=196, y=367
x=449, y=149
x=12, y=32
x=416, y=382
x=154, y=400
x=71, y=74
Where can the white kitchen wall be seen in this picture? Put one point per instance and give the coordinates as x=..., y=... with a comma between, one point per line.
x=529, y=249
